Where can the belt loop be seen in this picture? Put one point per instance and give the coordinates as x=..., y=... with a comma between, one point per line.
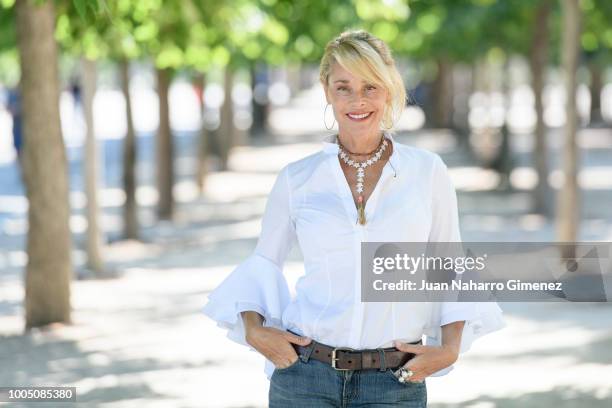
x=308, y=351
x=383, y=363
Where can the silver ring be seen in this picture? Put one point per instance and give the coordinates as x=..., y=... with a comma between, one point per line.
x=404, y=374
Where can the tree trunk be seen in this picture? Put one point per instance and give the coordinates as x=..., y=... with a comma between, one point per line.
x=202, y=147
x=226, y=129
x=293, y=77
x=460, y=124
x=130, y=210
x=502, y=162
x=49, y=266
x=165, y=171
x=538, y=61
x=94, y=235
x=567, y=217
x=443, y=94
x=595, y=89
x=260, y=102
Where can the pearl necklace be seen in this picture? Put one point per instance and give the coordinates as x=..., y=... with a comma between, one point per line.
x=360, y=166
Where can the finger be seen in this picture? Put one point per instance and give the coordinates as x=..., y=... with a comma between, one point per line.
x=287, y=363
x=284, y=360
x=409, y=348
x=294, y=338
x=418, y=375
x=292, y=359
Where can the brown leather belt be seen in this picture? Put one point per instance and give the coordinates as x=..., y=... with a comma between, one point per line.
x=344, y=358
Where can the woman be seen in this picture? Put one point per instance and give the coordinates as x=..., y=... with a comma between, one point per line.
x=362, y=186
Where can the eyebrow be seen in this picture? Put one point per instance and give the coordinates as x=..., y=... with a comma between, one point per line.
x=346, y=81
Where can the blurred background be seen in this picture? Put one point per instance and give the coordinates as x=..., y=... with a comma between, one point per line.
x=139, y=140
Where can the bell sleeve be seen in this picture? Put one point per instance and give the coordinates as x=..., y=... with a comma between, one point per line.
x=480, y=317
x=258, y=283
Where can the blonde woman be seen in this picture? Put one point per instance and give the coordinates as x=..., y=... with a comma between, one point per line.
x=325, y=347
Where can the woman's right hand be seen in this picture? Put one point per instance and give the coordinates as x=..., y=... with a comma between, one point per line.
x=275, y=344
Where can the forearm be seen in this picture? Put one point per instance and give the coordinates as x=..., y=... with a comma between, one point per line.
x=251, y=319
x=451, y=336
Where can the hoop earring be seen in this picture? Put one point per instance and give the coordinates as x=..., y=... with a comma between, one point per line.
x=325, y=122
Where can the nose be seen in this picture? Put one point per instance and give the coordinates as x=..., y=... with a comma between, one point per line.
x=359, y=97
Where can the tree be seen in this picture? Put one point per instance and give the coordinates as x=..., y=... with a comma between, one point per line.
x=538, y=59
x=49, y=267
x=567, y=201
x=112, y=30
x=95, y=238
x=202, y=148
x=165, y=148
x=130, y=208
x=596, y=43
x=77, y=42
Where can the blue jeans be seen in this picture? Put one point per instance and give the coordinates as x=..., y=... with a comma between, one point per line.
x=310, y=383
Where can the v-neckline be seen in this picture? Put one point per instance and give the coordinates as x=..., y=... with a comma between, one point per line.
x=347, y=195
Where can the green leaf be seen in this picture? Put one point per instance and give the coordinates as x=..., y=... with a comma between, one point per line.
x=81, y=8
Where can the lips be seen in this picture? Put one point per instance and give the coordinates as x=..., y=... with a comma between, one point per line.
x=358, y=117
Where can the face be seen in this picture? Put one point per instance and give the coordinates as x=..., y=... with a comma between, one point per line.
x=358, y=105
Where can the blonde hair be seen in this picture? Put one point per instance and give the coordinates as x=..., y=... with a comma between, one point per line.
x=368, y=57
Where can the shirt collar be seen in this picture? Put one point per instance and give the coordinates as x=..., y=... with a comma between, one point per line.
x=330, y=147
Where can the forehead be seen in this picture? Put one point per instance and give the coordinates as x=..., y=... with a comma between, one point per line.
x=339, y=73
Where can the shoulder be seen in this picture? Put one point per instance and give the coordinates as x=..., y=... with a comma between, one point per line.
x=306, y=163
x=299, y=171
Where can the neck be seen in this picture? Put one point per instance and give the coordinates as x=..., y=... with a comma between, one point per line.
x=364, y=143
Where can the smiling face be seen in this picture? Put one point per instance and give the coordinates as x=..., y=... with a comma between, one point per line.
x=358, y=105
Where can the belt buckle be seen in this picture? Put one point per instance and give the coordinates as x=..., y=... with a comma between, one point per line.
x=334, y=358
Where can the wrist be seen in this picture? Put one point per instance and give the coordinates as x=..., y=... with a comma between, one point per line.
x=451, y=351
x=252, y=321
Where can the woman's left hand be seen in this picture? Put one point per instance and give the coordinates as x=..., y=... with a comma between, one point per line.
x=427, y=359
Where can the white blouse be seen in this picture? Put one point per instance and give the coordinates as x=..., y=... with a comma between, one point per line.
x=311, y=203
